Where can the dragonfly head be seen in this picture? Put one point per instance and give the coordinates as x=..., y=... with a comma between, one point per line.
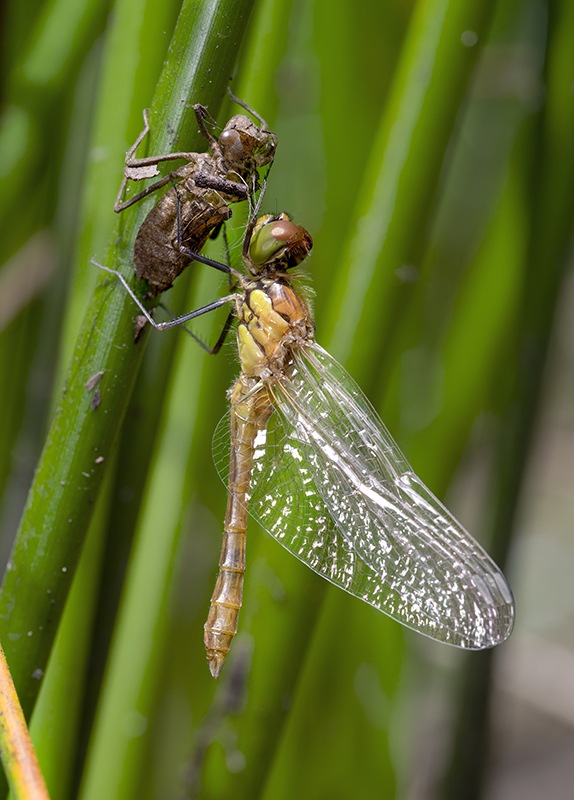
x=276, y=244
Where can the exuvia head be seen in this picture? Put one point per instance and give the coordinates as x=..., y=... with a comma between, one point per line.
x=244, y=145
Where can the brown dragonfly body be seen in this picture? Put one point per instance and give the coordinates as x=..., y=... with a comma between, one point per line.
x=305, y=454
x=273, y=320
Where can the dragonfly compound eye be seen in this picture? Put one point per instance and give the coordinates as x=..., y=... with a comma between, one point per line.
x=278, y=239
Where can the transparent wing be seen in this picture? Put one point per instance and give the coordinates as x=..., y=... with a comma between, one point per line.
x=331, y=485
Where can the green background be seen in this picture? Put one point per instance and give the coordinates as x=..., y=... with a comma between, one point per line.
x=429, y=149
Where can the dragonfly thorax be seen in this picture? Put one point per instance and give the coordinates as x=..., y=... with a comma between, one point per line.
x=273, y=321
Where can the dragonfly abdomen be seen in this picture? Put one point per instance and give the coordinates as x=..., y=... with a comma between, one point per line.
x=250, y=411
x=226, y=600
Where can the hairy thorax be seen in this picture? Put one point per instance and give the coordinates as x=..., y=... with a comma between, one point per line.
x=273, y=321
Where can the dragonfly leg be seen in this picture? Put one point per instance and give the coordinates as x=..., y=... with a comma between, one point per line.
x=212, y=351
x=176, y=321
x=210, y=262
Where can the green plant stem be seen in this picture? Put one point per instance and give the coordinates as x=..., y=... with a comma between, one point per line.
x=547, y=260
x=81, y=439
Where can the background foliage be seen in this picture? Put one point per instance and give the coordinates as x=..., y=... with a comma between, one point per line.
x=428, y=147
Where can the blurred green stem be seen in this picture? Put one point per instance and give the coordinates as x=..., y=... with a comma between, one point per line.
x=402, y=178
x=550, y=216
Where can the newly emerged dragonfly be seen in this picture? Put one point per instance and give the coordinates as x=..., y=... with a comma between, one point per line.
x=305, y=453
x=197, y=204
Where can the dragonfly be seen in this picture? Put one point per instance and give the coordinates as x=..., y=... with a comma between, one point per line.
x=198, y=202
x=304, y=452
